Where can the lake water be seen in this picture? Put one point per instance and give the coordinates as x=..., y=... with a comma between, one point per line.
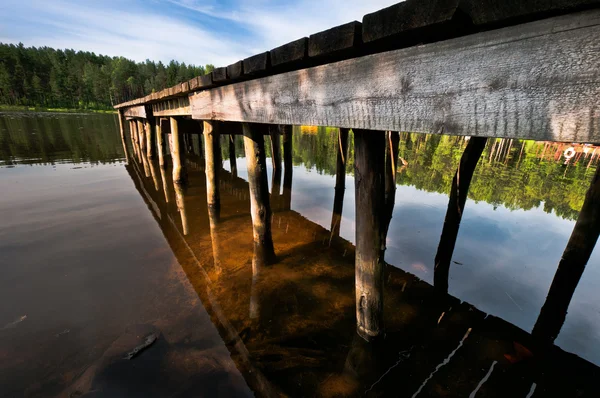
x=99, y=250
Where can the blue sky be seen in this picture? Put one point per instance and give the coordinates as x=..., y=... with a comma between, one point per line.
x=192, y=31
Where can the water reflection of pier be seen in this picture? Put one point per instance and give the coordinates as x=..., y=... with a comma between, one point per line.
x=286, y=313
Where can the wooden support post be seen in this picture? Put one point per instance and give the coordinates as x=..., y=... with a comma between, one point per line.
x=340, y=183
x=213, y=166
x=232, y=156
x=141, y=136
x=456, y=206
x=369, y=186
x=571, y=266
x=391, y=167
x=286, y=131
x=179, y=170
x=260, y=207
x=150, y=150
x=163, y=176
x=134, y=139
x=159, y=144
x=122, y=131
x=180, y=200
x=275, y=147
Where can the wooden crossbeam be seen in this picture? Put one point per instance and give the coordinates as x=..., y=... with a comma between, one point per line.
x=539, y=80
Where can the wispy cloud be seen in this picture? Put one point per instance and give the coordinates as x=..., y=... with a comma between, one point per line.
x=191, y=31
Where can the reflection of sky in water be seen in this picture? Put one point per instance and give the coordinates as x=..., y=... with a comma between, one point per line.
x=507, y=258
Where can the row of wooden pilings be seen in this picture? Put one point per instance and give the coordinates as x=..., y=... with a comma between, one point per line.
x=376, y=158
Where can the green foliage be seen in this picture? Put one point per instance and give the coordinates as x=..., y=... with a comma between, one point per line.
x=514, y=177
x=49, y=78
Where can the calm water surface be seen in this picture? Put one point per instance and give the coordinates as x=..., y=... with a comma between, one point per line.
x=99, y=251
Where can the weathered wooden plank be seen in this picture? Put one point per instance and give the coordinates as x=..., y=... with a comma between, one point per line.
x=219, y=75
x=236, y=70
x=294, y=51
x=205, y=81
x=173, y=107
x=136, y=111
x=493, y=11
x=539, y=80
x=406, y=17
x=257, y=63
x=334, y=40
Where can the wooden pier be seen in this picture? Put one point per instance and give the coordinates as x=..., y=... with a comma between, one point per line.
x=516, y=70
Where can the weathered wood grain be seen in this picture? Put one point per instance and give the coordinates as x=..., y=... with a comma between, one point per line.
x=294, y=51
x=493, y=11
x=406, y=17
x=213, y=165
x=369, y=186
x=339, y=38
x=136, y=111
x=539, y=80
x=219, y=74
x=260, y=207
x=257, y=63
x=235, y=70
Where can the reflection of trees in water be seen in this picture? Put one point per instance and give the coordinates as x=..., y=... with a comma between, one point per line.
x=41, y=139
x=510, y=173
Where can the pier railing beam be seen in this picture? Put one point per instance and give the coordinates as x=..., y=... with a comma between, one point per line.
x=179, y=170
x=456, y=206
x=260, y=207
x=286, y=131
x=212, y=155
x=571, y=266
x=369, y=186
x=340, y=182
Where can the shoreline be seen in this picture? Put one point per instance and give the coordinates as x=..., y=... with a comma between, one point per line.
x=32, y=109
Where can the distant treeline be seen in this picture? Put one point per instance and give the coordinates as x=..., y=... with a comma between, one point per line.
x=45, y=77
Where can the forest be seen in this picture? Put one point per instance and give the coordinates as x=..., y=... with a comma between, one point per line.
x=48, y=78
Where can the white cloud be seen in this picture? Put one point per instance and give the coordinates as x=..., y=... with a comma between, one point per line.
x=158, y=31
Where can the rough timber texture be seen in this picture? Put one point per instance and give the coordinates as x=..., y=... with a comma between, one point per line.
x=219, y=74
x=235, y=71
x=493, y=11
x=406, y=17
x=336, y=39
x=538, y=80
x=137, y=111
x=257, y=63
x=290, y=52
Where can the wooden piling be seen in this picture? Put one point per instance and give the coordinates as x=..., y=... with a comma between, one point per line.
x=122, y=131
x=150, y=150
x=369, y=186
x=340, y=182
x=456, y=206
x=571, y=266
x=180, y=200
x=286, y=131
x=159, y=144
x=391, y=167
x=179, y=171
x=163, y=176
x=213, y=165
x=134, y=139
x=141, y=136
x=275, y=147
x=260, y=207
x=232, y=156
